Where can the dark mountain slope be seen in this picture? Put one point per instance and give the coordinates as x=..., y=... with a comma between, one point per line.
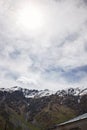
x=17, y=112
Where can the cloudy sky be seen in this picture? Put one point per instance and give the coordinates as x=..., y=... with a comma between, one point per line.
x=43, y=43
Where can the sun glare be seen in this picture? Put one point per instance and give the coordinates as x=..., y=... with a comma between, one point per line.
x=30, y=17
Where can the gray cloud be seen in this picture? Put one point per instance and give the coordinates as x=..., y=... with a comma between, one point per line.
x=85, y=1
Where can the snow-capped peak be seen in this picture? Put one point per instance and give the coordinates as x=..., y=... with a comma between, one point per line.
x=16, y=88
x=42, y=93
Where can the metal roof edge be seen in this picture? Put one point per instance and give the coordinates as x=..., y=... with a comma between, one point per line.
x=81, y=117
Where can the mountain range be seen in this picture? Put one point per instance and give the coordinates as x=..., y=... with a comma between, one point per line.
x=24, y=109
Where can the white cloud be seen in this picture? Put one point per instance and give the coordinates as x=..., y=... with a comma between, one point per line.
x=61, y=43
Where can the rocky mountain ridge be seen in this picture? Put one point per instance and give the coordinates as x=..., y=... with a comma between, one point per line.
x=33, y=93
x=39, y=109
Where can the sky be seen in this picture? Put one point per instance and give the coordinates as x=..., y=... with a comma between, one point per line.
x=43, y=44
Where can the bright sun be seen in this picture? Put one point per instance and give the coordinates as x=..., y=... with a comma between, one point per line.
x=30, y=17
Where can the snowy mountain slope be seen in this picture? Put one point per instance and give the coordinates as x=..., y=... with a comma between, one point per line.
x=29, y=93
x=42, y=93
